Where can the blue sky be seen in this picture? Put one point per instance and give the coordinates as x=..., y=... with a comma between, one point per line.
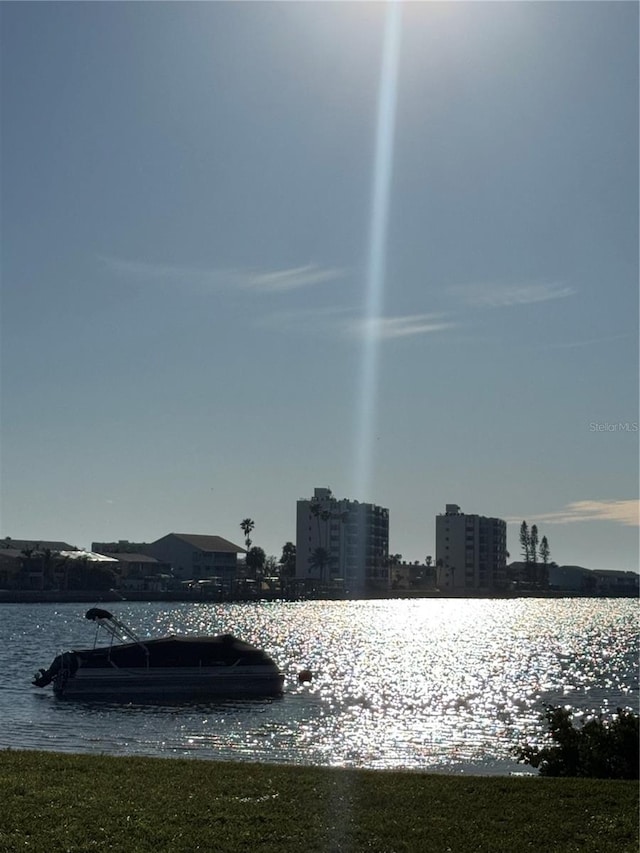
x=196, y=200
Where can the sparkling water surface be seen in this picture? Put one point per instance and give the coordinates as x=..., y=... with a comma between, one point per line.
x=443, y=686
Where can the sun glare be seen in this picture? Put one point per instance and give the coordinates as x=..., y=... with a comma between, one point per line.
x=376, y=264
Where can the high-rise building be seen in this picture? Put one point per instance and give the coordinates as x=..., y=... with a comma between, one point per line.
x=471, y=551
x=342, y=542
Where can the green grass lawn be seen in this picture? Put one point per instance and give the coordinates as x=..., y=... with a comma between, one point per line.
x=53, y=802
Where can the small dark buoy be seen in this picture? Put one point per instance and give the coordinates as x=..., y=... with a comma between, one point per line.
x=305, y=675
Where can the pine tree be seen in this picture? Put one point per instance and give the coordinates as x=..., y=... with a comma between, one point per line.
x=544, y=551
x=524, y=540
x=544, y=556
x=533, y=554
x=525, y=543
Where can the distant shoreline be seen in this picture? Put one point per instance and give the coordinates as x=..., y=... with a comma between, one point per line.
x=96, y=596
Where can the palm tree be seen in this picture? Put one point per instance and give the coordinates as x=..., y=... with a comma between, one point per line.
x=430, y=573
x=320, y=558
x=247, y=525
x=48, y=568
x=322, y=513
x=27, y=564
x=64, y=564
x=288, y=560
x=315, y=509
x=392, y=561
x=255, y=562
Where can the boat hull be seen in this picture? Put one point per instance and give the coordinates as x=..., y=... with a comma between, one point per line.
x=171, y=684
x=165, y=669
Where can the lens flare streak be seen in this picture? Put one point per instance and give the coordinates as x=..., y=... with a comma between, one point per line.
x=377, y=251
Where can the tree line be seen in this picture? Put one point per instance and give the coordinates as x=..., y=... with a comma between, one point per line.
x=259, y=565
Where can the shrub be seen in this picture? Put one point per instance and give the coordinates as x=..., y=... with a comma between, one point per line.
x=600, y=748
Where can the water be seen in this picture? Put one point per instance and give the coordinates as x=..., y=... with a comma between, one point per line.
x=443, y=686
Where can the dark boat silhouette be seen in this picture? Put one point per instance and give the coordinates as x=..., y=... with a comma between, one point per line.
x=173, y=668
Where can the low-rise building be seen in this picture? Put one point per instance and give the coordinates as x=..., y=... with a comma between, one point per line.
x=611, y=582
x=413, y=577
x=604, y=582
x=138, y=571
x=30, y=564
x=195, y=556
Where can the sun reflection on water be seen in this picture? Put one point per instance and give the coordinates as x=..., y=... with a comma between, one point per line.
x=426, y=684
x=419, y=683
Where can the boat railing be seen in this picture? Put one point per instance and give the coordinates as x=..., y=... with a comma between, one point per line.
x=115, y=628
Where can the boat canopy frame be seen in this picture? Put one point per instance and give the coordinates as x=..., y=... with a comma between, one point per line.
x=116, y=629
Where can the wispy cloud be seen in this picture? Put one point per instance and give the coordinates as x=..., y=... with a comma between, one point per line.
x=625, y=512
x=494, y=295
x=260, y=281
x=287, y=279
x=342, y=322
x=385, y=328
